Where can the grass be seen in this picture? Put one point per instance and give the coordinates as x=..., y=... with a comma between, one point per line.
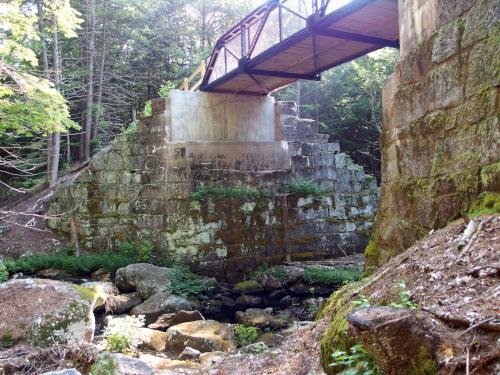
x=319, y=275
x=488, y=203
x=218, y=193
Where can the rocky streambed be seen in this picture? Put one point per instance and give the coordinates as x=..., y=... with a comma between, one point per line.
x=135, y=324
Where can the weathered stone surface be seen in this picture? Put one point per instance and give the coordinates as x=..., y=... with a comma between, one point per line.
x=168, y=320
x=69, y=371
x=248, y=287
x=103, y=291
x=248, y=301
x=189, y=354
x=202, y=335
x=144, y=278
x=124, y=365
x=440, y=121
x=142, y=185
x=152, y=339
x=160, y=303
x=122, y=303
x=270, y=339
x=43, y=312
x=403, y=342
x=260, y=318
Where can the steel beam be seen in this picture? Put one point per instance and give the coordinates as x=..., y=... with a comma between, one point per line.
x=355, y=37
x=273, y=73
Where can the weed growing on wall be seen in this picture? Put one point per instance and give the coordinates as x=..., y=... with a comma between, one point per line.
x=304, y=187
x=218, y=193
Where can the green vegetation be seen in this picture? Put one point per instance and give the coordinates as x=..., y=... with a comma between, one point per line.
x=4, y=273
x=185, y=283
x=404, y=298
x=140, y=250
x=357, y=361
x=245, y=335
x=117, y=342
x=76, y=265
x=488, y=203
x=277, y=271
x=103, y=366
x=314, y=275
x=218, y=193
x=304, y=187
x=257, y=348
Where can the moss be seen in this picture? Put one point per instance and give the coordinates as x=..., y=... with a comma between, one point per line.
x=85, y=293
x=422, y=363
x=7, y=339
x=334, y=220
x=54, y=328
x=372, y=255
x=487, y=203
x=337, y=336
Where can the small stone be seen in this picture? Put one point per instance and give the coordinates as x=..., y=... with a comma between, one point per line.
x=227, y=302
x=285, y=302
x=189, y=354
x=248, y=301
x=260, y=318
x=152, y=339
x=248, y=287
x=270, y=339
x=124, y=365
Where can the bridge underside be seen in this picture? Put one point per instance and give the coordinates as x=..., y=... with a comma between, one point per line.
x=285, y=41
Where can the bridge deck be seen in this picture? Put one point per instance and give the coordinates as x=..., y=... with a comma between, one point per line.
x=287, y=40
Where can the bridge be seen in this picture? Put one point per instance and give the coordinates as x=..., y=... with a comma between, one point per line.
x=283, y=41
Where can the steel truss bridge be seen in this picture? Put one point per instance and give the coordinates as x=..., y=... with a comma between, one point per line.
x=283, y=41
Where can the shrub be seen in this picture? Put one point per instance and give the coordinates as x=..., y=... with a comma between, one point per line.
x=245, y=335
x=303, y=187
x=140, y=250
x=4, y=273
x=404, y=298
x=358, y=361
x=184, y=282
x=117, y=342
x=123, y=333
x=339, y=276
x=277, y=271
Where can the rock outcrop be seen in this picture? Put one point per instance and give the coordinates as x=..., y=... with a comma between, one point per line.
x=45, y=312
x=448, y=294
x=144, y=278
x=440, y=140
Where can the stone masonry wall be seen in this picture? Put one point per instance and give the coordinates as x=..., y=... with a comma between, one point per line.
x=441, y=137
x=141, y=187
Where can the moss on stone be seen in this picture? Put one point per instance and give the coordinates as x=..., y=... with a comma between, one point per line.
x=7, y=339
x=422, y=363
x=55, y=328
x=487, y=203
x=337, y=336
x=85, y=293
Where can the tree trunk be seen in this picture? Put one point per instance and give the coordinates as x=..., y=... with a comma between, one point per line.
x=90, y=78
x=297, y=97
x=101, y=72
x=46, y=75
x=56, y=143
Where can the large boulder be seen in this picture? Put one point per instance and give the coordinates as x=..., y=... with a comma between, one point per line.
x=260, y=318
x=168, y=320
x=144, y=278
x=103, y=291
x=202, y=335
x=122, y=303
x=160, y=303
x=44, y=312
